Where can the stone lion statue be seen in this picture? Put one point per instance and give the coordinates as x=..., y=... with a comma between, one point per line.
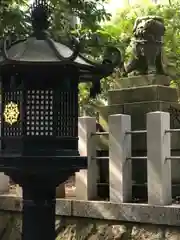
x=147, y=44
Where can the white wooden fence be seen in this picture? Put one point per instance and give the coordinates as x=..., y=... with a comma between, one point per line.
x=158, y=158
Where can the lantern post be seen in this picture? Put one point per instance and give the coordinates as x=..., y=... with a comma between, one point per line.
x=39, y=119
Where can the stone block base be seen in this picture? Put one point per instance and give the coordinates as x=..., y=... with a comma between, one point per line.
x=144, y=80
x=138, y=111
x=142, y=94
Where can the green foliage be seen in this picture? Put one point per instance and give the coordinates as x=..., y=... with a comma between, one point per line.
x=15, y=19
x=12, y=18
x=89, y=13
x=170, y=13
x=79, y=15
x=117, y=32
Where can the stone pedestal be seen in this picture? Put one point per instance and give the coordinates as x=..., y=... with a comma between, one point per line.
x=144, y=80
x=137, y=101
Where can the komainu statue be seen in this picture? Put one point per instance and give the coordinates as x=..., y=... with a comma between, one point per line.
x=147, y=46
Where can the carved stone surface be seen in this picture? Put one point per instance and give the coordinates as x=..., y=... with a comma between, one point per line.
x=102, y=221
x=146, y=47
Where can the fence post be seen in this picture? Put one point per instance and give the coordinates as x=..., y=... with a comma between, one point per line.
x=158, y=168
x=120, y=169
x=86, y=179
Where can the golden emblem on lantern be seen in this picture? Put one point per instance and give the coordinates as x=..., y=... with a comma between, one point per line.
x=11, y=113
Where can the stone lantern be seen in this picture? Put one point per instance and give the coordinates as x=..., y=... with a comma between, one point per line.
x=39, y=119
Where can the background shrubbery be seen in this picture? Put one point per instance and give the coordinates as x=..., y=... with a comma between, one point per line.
x=100, y=30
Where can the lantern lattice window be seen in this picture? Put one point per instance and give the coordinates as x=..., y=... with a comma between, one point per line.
x=39, y=113
x=66, y=114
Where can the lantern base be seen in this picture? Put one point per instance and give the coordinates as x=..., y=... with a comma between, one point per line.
x=38, y=214
x=38, y=176
x=41, y=165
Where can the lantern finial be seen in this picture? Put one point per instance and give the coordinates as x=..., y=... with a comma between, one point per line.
x=40, y=15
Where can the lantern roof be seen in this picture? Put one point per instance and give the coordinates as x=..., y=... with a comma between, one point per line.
x=33, y=50
x=39, y=48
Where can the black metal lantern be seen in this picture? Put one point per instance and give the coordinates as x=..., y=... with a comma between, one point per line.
x=39, y=120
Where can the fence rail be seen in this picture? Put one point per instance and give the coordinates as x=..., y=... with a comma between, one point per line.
x=100, y=133
x=172, y=130
x=136, y=132
x=120, y=157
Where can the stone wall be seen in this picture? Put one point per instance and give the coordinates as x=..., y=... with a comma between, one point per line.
x=69, y=228
x=95, y=220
